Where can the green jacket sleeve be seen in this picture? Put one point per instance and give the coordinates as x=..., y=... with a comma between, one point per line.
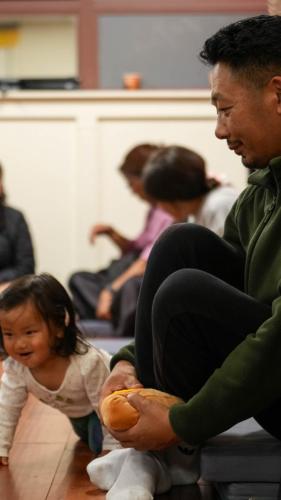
x=126, y=353
x=248, y=381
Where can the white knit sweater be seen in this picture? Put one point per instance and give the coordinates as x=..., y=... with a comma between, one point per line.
x=77, y=396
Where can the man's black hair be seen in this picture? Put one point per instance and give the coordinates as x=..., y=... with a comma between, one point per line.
x=250, y=47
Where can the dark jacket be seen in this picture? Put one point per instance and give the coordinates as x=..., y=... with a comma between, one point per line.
x=250, y=378
x=16, y=250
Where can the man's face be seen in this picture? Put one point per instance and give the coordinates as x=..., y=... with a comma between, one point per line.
x=249, y=119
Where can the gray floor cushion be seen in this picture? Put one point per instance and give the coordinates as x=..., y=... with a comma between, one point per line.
x=95, y=328
x=247, y=491
x=244, y=453
x=111, y=344
x=100, y=334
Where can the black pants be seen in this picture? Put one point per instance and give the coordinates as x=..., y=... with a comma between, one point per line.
x=86, y=287
x=124, y=307
x=192, y=313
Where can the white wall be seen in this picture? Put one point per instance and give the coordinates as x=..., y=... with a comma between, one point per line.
x=61, y=152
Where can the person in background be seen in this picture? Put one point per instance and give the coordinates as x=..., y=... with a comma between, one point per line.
x=16, y=248
x=111, y=294
x=176, y=178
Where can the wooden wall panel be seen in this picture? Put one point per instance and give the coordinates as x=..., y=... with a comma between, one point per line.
x=88, y=11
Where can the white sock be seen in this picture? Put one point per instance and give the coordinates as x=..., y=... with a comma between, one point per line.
x=184, y=467
x=104, y=471
x=142, y=474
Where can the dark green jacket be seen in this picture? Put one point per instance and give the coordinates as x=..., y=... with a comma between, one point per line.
x=250, y=378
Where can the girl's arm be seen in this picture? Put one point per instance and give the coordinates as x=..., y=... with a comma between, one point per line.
x=95, y=369
x=13, y=395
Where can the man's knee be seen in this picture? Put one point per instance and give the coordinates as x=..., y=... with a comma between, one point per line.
x=185, y=290
x=183, y=236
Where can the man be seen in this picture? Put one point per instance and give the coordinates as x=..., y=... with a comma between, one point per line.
x=209, y=315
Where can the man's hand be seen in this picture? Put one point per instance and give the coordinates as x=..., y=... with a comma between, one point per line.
x=4, y=461
x=103, y=310
x=153, y=430
x=123, y=376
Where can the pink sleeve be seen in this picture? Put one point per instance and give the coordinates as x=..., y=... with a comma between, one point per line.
x=157, y=220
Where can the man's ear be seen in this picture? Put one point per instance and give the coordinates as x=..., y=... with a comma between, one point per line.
x=276, y=84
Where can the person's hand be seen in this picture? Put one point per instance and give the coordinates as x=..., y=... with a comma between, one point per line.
x=153, y=430
x=103, y=310
x=100, y=229
x=4, y=461
x=123, y=376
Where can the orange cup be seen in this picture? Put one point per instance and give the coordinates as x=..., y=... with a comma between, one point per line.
x=132, y=81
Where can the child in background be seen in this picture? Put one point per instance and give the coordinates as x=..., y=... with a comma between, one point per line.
x=48, y=357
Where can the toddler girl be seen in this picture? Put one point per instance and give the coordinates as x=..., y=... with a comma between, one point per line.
x=48, y=357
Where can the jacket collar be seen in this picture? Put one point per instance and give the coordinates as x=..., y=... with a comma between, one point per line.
x=268, y=176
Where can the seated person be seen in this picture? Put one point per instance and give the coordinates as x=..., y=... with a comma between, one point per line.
x=209, y=312
x=16, y=249
x=112, y=293
x=176, y=178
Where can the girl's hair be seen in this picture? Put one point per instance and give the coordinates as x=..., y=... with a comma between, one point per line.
x=136, y=159
x=176, y=173
x=54, y=305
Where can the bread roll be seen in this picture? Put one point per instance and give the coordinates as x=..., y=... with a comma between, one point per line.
x=119, y=415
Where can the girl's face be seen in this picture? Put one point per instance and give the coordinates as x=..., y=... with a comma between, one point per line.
x=26, y=336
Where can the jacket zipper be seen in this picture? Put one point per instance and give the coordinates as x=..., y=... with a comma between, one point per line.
x=267, y=215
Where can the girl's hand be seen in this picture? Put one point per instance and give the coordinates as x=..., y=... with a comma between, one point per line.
x=4, y=461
